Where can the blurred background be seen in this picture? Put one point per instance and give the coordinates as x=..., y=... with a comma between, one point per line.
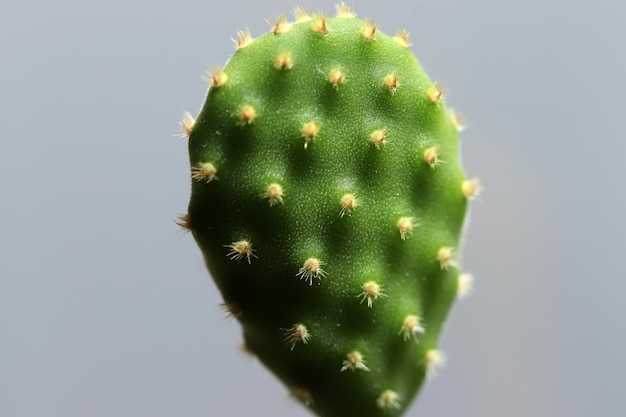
x=105, y=306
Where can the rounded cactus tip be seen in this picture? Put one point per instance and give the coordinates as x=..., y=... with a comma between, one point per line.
x=325, y=157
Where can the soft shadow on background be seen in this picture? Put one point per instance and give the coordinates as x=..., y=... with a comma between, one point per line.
x=105, y=307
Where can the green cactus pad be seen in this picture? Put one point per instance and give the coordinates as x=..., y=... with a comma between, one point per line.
x=328, y=200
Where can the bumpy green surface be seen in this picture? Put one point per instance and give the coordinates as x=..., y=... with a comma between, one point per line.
x=389, y=181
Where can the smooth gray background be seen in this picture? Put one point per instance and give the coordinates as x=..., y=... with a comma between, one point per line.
x=105, y=308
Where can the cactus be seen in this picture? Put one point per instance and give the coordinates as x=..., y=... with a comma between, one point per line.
x=328, y=200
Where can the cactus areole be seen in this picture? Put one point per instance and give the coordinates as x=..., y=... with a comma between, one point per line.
x=328, y=200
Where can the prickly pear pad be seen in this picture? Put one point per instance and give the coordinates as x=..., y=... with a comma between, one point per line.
x=328, y=200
